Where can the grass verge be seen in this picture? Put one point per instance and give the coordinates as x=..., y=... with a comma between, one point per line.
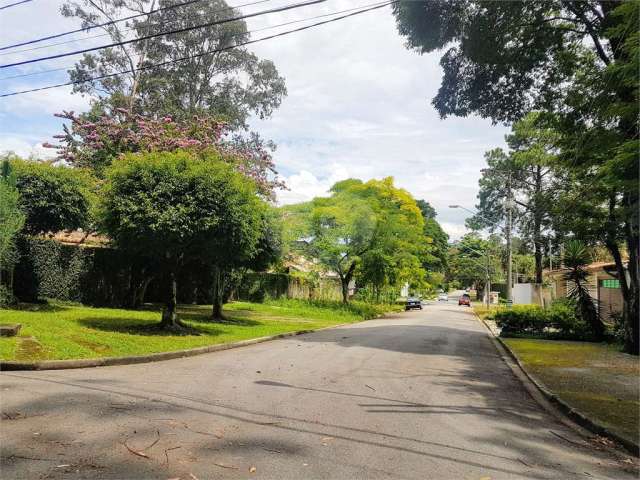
x=593, y=378
x=59, y=331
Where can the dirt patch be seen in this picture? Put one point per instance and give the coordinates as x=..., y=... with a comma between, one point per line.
x=28, y=348
x=94, y=346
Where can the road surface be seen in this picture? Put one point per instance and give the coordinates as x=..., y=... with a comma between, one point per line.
x=420, y=395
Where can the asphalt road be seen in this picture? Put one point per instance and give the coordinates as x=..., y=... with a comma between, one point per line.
x=419, y=395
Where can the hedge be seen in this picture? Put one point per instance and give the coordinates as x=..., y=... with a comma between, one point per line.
x=101, y=276
x=558, y=322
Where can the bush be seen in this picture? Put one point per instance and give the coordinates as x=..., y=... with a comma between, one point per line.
x=521, y=320
x=6, y=297
x=559, y=321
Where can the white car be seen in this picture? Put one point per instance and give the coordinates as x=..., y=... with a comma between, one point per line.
x=443, y=297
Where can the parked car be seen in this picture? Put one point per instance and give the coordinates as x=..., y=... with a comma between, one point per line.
x=443, y=297
x=413, y=303
x=465, y=299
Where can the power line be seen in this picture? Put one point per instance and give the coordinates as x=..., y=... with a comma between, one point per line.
x=160, y=34
x=209, y=52
x=14, y=4
x=271, y=27
x=91, y=27
x=108, y=34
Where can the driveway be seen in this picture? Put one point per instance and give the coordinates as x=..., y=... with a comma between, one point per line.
x=419, y=395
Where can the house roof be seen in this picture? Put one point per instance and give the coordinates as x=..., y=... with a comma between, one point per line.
x=81, y=238
x=595, y=266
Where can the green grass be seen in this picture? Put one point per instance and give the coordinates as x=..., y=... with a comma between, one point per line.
x=67, y=331
x=594, y=378
x=483, y=312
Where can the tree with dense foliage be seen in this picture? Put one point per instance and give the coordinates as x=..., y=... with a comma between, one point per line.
x=526, y=175
x=578, y=62
x=93, y=141
x=372, y=228
x=11, y=222
x=53, y=198
x=470, y=258
x=435, y=258
x=173, y=207
x=231, y=84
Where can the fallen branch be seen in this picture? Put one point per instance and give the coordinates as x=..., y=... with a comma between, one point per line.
x=271, y=450
x=566, y=439
x=156, y=441
x=225, y=466
x=135, y=452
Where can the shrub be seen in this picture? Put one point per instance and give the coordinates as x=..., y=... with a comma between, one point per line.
x=521, y=320
x=557, y=322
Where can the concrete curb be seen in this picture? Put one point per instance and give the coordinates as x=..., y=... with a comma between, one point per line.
x=561, y=406
x=9, y=365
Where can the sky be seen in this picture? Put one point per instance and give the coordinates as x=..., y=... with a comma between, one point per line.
x=358, y=105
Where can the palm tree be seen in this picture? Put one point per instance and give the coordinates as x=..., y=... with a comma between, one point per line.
x=576, y=257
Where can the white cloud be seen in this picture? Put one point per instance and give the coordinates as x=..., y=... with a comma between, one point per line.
x=24, y=148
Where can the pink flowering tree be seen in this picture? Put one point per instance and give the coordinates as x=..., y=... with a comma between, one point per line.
x=93, y=142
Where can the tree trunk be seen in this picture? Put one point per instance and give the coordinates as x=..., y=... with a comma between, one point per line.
x=140, y=292
x=537, y=224
x=631, y=313
x=346, y=280
x=217, y=293
x=344, y=284
x=169, y=313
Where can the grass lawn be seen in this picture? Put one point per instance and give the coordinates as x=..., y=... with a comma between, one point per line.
x=594, y=378
x=63, y=331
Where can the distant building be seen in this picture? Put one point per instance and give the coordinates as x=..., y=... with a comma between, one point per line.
x=603, y=285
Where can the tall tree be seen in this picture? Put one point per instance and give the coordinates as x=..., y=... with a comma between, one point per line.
x=11, y=222
x=577, y=60
x=232, y=84
x=436, y=251
x=525, y=175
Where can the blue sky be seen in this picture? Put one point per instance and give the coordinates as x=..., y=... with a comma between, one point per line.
x=358, y=106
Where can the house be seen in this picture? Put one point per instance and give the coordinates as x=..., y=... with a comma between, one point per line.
x=603, y=285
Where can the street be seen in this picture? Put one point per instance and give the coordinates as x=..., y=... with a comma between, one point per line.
x=421, y=394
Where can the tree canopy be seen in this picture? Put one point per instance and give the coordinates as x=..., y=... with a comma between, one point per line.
x=53, y=198
x=172, y=208
x=372, y=229
x=188, y=76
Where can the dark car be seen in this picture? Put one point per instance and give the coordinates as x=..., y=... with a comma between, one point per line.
x=413, y=303
x=465, y=299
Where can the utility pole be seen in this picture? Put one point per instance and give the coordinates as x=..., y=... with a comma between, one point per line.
x=508, y=238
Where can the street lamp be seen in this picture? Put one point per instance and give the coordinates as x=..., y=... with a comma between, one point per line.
x=509, y=203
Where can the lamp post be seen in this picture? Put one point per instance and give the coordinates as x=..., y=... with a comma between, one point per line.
x=507, y=233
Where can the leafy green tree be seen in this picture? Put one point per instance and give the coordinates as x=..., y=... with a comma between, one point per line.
x=11, y=222
x=372, y=226
x=576, y=257
x=173, y=208
x=231, y=84
x=436, y=254
x=53, y=198
x=470, y=258
x=504, y=59
x=525, y=174
x=578, y=62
